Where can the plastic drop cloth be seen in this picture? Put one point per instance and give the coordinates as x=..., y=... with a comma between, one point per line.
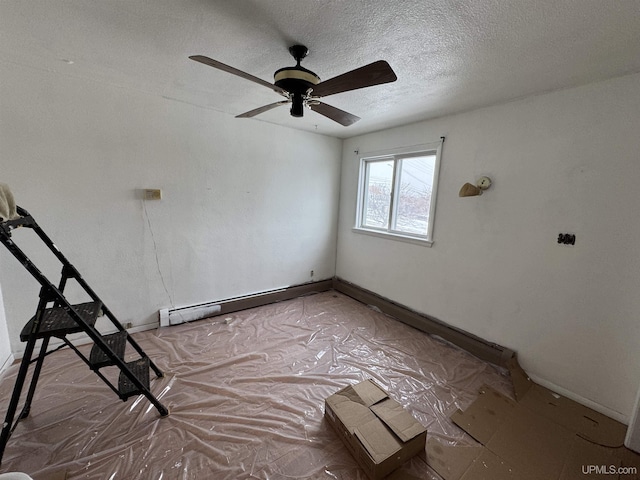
x=246, y=394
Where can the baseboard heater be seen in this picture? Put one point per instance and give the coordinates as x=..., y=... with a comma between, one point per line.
x=190, y=313
x=176, y=316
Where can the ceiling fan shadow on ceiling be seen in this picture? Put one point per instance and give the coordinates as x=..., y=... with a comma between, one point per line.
x=303, y=88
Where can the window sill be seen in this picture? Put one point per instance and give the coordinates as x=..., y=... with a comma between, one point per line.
x=394, y=236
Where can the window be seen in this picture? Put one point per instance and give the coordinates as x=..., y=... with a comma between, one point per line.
x=397, y=195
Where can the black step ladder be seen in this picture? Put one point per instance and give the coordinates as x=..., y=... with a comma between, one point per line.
x=56, y=317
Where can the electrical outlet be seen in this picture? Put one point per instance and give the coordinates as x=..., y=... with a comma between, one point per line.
x=128, y=325
x=152, y=194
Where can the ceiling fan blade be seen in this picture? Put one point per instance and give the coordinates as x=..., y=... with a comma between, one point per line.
x=335, y=114
x=235, y=71
x=375, y=73
x=257, y=111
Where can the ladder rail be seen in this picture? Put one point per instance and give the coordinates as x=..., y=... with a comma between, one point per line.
x=5, y=238
x=34, y=379
x=9, y=425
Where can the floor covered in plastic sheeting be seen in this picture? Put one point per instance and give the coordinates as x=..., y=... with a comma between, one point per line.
x=246, y=394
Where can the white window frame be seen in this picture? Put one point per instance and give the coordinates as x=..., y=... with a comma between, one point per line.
x=395, y=155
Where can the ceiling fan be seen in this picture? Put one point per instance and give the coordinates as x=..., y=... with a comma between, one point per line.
x=302, y=87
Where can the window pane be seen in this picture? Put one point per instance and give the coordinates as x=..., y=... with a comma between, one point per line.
x=378, y=194
x=413, y=198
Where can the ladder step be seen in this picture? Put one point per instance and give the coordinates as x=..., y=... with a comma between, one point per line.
x=117, y=342
x=57, y=322
x=140, y=368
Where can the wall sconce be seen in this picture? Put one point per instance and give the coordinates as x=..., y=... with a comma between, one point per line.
x=469, y=190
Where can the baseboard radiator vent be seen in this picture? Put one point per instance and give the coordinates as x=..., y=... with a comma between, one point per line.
x=191, y=313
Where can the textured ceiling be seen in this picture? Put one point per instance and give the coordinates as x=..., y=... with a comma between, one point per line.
x=449, y=55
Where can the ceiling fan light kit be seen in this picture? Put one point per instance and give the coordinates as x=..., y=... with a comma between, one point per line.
x=302, y=87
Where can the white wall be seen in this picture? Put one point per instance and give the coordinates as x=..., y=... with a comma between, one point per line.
x=247, y=206
x=5, y=347
x=632, y=439
x=561, y=162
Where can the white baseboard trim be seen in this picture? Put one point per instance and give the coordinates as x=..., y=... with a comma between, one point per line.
x=7, y=363
x=620, y=417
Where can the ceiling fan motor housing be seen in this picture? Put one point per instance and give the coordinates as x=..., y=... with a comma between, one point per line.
x=297, y=81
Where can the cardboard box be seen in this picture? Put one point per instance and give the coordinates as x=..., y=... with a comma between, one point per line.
x=380, y=434
x=542, y=435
